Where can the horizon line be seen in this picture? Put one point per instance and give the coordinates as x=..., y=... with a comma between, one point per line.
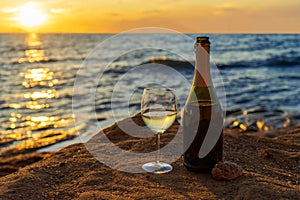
x=121, y=32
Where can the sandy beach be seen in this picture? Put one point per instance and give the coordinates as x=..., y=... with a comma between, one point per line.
x=73, y=77
x=270, y=163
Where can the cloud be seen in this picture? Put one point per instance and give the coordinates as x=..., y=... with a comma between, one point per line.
x=62, y=7
x=153, y=11
x=227, y=9
x=57, y=10
x=143, y=12
x=114, y=14
x=64, y=10
x=9, y=10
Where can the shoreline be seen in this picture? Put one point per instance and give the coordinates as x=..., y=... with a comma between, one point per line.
x=244, y=120
x=269, y=162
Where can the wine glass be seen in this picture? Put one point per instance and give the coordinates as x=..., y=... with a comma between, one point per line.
x=158, y=109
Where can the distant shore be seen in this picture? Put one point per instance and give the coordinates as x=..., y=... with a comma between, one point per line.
x=270, y=163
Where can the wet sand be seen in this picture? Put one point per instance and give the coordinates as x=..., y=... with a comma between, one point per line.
x=270, y=163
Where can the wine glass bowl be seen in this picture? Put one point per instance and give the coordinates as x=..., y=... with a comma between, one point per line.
x=158, y=110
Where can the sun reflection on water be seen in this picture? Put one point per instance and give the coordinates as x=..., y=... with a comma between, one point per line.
x=36, y=106
x=34, y=53
x=44, y=94
x=38, y=76
x=30, y=125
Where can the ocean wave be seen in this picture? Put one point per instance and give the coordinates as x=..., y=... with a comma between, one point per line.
x=45, y=60
x=276, y=61
x=279, y=61
x=170, y=63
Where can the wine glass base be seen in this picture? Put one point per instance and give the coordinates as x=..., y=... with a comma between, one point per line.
x=157, y=167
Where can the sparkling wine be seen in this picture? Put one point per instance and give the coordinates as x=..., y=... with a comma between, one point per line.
x=159, y=121
x=201, y=114
x=202, y=117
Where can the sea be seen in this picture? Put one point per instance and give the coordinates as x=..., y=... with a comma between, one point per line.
x=46, y=81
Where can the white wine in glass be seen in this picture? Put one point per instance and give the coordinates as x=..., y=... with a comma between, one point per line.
x=158, y=109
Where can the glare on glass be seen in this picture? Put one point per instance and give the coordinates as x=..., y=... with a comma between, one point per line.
x=158, y=109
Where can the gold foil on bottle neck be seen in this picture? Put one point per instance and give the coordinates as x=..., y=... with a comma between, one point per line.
x=204, y=42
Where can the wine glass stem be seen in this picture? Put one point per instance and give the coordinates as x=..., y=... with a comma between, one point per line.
x=158, y=147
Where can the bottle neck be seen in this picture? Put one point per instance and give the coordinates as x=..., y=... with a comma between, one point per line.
x=202, y=77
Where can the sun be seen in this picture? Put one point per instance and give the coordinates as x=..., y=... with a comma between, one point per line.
x=31, y=15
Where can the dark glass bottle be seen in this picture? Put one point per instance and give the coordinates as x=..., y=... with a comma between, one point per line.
x=203, y=117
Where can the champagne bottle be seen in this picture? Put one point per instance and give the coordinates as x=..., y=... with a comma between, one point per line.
x=203, y=117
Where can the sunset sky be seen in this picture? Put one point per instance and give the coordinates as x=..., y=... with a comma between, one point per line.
x=189, y=16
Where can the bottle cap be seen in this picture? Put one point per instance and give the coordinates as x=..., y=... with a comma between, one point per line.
x=202, y=39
